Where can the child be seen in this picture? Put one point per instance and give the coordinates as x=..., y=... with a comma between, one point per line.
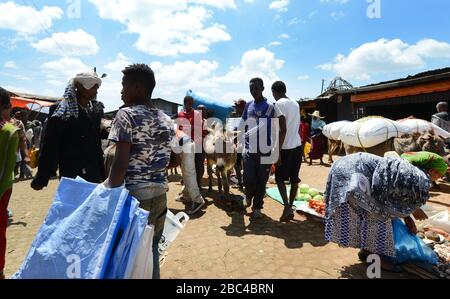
x=9, y=139
x=143, y=137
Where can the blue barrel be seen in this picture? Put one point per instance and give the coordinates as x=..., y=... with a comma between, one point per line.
x=221, y=111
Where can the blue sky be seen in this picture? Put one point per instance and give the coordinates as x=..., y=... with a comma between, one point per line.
x=215, y=47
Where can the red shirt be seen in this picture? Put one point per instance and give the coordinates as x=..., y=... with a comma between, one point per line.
x=196, y=125
x=304, y=131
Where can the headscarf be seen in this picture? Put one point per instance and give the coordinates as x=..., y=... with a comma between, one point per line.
x=68, y=107
x=427, y=160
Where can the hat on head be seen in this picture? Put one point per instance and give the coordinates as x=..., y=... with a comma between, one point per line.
x=317, y=114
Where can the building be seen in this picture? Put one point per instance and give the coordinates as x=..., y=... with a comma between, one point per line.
x=170, y=108
x=415, y=96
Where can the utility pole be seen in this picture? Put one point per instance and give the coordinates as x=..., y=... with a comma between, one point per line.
x=323, y=85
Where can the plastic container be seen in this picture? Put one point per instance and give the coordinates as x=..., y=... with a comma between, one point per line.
x=172, y=228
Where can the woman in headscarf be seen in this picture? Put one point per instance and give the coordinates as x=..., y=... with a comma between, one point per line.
x=317, y=138
x=366, y=196
x=72, y=140
x=9, y=140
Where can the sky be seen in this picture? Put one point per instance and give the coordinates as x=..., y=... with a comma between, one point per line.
x=215, y=47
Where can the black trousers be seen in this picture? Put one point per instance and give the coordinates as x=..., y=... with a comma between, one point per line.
x=200, y=167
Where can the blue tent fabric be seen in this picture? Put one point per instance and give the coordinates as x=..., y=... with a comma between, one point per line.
x=221, y=111
x=89, y=222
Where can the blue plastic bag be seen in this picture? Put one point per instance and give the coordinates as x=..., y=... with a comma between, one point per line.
x=410, y=248
x=78, y=235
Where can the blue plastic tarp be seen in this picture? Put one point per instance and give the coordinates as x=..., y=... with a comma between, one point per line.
x=221, y=111
x=91, y=232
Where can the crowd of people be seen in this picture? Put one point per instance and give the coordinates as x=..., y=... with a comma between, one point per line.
x=145, y=138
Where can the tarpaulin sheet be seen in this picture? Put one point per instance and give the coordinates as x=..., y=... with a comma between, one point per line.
x=79, y=235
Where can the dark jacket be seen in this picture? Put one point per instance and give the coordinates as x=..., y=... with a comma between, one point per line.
x=73, y=146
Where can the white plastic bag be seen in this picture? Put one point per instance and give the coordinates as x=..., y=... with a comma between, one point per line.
x=370, y=132
x=437, y=217
x=143, y=265
x=333, y=131
x=422, y=126
x=172, y=227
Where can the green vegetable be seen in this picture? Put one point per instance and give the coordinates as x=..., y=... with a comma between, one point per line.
x=304, y=197
x=318, y=197
x=304, y=188
x=313, y=192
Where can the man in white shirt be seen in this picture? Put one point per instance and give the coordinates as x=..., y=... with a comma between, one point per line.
x=288, y=167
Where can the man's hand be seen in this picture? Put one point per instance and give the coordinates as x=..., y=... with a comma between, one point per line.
x=420, y=215
x=36, y=186
x=411, y=225
x=279, y=162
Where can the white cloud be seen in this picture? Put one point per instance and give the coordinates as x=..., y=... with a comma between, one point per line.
x=174, y=80
x=10, y=65
x=27, y=20
x=273, y=44
x=387, y=56
x=222, y=4
x=72, y=43
x=254, y=63
x=15, y=76
x=119, y=64
x=63, y=69
x=302, y=78
x=168, y=28
x=280, y=5
x=284, y=36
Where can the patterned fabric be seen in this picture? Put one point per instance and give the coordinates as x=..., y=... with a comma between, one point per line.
x=68, y=107
x=364, y=193
x=352, y=226
x=151, y=133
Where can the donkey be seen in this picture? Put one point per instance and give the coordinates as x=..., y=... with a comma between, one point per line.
x=221, y=151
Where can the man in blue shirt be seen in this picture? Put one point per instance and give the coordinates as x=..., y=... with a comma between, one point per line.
x=258, y=115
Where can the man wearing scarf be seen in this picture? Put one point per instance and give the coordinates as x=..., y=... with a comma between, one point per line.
x=72, y=140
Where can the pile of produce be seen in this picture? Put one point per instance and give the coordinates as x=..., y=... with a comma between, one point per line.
x=313, y=197
x=439, y=240
x=318, y=206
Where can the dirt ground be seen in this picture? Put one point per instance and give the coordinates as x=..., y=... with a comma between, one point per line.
x=218, y=243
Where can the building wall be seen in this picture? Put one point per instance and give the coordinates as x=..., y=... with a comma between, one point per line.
x=169, y=108
x=420, y=106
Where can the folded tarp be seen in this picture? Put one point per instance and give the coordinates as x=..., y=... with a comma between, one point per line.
x=91, y=232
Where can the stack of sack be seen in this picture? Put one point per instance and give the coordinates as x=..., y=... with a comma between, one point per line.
x=422, y=126
x=91, y=232
x=372, y=131
x=333, y=131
